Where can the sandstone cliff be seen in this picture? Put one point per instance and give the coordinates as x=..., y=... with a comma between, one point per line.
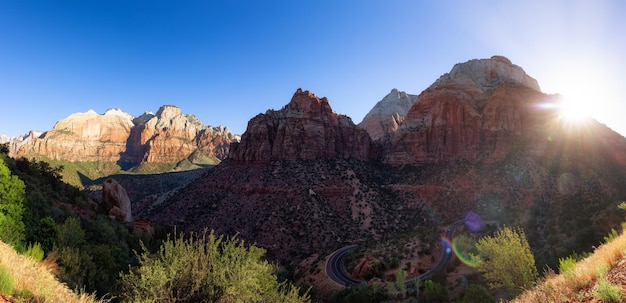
x=117, y=137
x=476, y=112
x=304, y=129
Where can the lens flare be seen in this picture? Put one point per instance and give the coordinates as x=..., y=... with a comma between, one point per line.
x=459, y=251
x=473, y=222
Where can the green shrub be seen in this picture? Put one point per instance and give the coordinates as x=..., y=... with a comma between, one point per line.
x=35, y=252
x=434, y=292
x=606, y=291
x=477, y=294
x=6, y=281
x=611, y=236
x=567, y=265
x=206, y=268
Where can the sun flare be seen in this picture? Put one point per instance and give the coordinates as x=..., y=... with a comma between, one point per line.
x=574, y=110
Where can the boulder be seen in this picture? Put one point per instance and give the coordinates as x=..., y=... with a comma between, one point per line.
x=116, y=201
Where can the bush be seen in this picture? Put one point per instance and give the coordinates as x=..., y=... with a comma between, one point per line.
x=6, y=281
x=606, y=291
x=205, y=268
x=477, y=294
x=35, y=252
x=567, y=265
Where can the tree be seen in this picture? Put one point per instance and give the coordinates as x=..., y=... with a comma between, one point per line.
x=12, y=197
x=505, y=260
x=206, y=268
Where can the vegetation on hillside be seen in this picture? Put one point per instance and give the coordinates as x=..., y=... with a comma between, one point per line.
x=206, y=268
x=599, y=276
x=92, y=253
x=29, y=280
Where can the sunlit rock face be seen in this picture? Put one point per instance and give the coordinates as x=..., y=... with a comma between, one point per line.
x=118, y=137
x=304, y=129
x=115, y=201
x=383, y=120
x=476, y=112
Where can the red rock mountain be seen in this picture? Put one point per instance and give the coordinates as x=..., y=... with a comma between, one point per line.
x=305, y=129
x=117, y=137
x=483, y=137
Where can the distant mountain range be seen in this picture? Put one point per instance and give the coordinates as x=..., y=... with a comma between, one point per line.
x=166, y=138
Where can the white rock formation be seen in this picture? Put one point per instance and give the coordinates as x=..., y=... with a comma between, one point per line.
x=486, y=74
x=385, y=117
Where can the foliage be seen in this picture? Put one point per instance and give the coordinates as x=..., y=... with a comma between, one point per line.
x=11, y=207
x=91, y=254
x=376, y=270
x=611, y=236
x=606, y=291
x=506, y=260
x=400, y=282
x=7, y=283
x=476, y=293
x=35, y=252
x=361, y=293
x=205, y=268
x=434, y=292
x=45, y=232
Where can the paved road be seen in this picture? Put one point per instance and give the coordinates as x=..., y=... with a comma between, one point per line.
x=336, y=272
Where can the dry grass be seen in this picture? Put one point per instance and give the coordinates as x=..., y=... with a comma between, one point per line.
x=570, y=287
x=37, y=278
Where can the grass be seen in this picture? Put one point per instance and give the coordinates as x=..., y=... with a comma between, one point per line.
x=34, y=279
x=554, y=288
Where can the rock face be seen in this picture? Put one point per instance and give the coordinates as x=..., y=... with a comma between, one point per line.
x=304, y=129
x=383, y=120
x=476, y=112
x=116, y=136
x=116, y=201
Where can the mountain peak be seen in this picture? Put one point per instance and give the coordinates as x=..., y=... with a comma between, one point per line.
x=384, y=119
x=308, y=103
x=168, y=112
x=487, y=74
x=304, y=129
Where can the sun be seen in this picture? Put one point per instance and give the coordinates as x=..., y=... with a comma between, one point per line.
x=574, y=109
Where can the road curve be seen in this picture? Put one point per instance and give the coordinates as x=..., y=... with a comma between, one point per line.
x=336, y=272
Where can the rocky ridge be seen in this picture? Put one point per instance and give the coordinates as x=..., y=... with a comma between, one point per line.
x=304, y=129
x=118, y=137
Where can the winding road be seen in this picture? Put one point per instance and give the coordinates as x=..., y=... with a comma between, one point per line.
x=336, y=272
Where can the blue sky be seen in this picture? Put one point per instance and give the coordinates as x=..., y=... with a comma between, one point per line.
x=227, y=61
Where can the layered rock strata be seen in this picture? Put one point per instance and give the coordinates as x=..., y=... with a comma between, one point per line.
x=165, y=137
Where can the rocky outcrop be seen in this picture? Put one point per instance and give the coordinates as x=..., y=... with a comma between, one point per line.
x=117, y=137
x=364, y=267
x=115, y=201
x=304, y=129
x=383, y=120
x=476, y=112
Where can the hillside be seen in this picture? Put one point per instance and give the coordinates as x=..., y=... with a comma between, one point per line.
x=586, y=281
x=34, y=281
